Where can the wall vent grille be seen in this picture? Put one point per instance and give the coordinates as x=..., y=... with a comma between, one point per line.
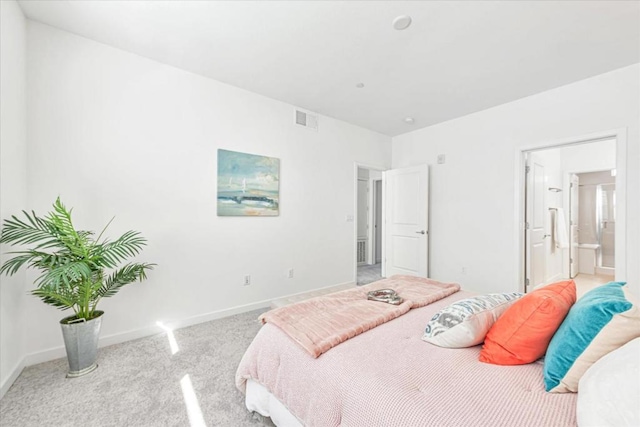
x=308, y=120
x=362, y=251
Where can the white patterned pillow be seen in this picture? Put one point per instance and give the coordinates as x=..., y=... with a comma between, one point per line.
x=465, y=323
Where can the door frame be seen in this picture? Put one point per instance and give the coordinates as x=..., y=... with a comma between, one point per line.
x=374, y=218
x=354, y=251
x=567, y=200
x=620, y=135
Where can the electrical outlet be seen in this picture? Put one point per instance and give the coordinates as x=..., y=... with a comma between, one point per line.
x=290, y=273
x=441, y=159
x=247, y=280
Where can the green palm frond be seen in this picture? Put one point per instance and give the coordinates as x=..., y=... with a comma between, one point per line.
x=65, y=275
x=33, y=258
x=11, y=266
x=125, y=275
x=72, y=262
x=17, y=232
x=76, y=242
x=62, y=300
x=110, y=254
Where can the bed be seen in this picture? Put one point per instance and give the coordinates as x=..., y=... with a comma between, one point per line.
x=388, y=376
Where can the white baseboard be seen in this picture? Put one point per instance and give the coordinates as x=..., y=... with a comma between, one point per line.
x=219, y=314
x=313, y=290
x=58, y=352
x=15, y=372
x=606, y=271
x=300, y=296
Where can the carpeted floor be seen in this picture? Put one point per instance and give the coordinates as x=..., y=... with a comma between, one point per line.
x=140, y=383
x=369, y=273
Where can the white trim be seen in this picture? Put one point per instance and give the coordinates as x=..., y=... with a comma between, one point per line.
x=373, y=219
x=15, y=373
x=310, y=294
x=605, y=271
x=620, y=135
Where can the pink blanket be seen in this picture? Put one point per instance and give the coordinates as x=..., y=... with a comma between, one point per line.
x=318, y=324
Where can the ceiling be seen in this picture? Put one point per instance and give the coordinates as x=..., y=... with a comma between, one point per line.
x=456, y=58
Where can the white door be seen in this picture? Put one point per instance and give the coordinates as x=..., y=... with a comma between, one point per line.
x=406, y=218
x=536, y=265
x=574, y=211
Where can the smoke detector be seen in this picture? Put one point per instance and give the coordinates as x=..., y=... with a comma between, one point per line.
x=402, y=22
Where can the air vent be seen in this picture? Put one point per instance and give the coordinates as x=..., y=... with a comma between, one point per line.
x=362, y=252
x=307, y=120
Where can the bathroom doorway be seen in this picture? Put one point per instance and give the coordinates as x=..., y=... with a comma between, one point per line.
x=570, y=211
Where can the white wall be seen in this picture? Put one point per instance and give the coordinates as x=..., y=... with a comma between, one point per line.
x=13, y=180
x=596, y=156
x=117, y=134
x=474, y=194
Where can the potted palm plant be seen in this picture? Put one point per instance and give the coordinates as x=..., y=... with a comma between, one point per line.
x=77, y=269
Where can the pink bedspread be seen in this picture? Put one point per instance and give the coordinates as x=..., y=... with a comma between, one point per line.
x=321, y=323
x=389, y=377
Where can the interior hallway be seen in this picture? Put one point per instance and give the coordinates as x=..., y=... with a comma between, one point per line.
x=369, y=273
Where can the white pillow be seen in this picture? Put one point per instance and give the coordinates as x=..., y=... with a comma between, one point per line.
x=609, y=392
x=465, y=323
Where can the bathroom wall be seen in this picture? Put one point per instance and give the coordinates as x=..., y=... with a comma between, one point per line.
x=588, y=220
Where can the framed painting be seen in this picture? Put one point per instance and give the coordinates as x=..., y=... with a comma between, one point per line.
x=248, y=185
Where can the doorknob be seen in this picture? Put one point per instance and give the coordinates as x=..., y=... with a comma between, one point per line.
x=420, y=232
x=546, y=235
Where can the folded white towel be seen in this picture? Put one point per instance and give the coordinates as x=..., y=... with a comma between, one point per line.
x=561, y=237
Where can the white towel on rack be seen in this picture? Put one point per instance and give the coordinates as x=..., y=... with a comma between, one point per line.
x=561, y=237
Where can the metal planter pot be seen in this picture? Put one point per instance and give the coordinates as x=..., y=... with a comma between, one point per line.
x=81, y=342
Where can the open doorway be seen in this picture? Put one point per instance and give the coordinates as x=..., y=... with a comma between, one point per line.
x=368, y=225
x=570, y=213
x=391, y=233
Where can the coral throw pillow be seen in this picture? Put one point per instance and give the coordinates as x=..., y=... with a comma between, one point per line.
x=522, y=334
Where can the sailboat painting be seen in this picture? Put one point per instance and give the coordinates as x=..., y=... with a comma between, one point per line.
x=248, y=185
